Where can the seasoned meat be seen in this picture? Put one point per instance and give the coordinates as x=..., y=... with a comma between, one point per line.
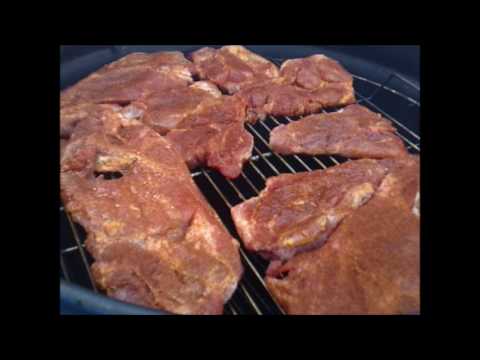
x=155, y=240
x=232, y=67
x=297, y=212
x=166, y=110
x=370, y=264
x=222, y=147
x=130, y=78
x=314, y=72
x=166, y=59
x=70, y=116
x=304, y=86
x=215, y=136
x=354, y=132
x=205, y=126
x=278, y=98
x=334, y=95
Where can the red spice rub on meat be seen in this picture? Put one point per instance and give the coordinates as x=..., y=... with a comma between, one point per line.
x=166, y=110
x=232, y=67
x=297, y=212
x=370, y=264
x=165, y=59
x=155, y=240
x=205, y=126
x=314, y=72
x=130, y=78
x=278, y=98
x=305, y=86
x=71, y=116
x=354, y=132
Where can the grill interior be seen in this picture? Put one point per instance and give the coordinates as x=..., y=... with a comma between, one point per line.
x=251, y=296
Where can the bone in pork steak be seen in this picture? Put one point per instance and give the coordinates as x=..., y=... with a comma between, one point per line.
x=155, y=240
x=314, y=72
x=232, y=67
x=278, y=98
x=297, y=212
x=222, y=147
x=205, y=126
x=370, y=264
x=354, y=132
x=130, y=78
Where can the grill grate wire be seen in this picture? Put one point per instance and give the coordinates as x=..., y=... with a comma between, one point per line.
x=252, y=296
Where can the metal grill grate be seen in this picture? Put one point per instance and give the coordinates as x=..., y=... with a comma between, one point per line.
x=252, y=296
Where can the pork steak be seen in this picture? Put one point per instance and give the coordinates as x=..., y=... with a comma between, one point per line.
x=155, y=240
x=130, y=78
x=297, y=212
x=354, y=131
x=232, y=67
x=278, y=98
x=314, y=72
x=370, y=264
x=205, y=126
